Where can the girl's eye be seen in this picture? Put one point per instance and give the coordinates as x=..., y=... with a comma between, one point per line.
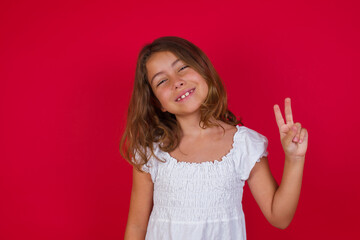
x=183, y=68
x=161, y=82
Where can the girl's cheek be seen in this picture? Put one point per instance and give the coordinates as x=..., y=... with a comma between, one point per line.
x=190, y=74
x=164, y=93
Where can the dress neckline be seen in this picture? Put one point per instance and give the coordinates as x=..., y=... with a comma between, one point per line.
x=216, y=161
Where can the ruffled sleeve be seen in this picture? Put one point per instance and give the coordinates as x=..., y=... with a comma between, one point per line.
x=252, y=147
x=152, y=165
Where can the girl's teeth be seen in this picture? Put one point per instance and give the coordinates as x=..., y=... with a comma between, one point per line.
x=185, y=95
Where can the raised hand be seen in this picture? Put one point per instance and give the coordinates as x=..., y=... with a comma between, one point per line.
x=294, y=138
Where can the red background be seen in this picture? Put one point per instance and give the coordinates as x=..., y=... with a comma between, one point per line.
x=66, y=72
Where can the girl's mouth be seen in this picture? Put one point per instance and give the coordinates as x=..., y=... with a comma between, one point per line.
x=185, y=95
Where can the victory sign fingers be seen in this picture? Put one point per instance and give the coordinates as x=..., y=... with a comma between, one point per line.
x=292, y=135
x=288, y=115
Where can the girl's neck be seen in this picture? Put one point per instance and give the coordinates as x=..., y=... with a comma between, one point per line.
x=190, y=126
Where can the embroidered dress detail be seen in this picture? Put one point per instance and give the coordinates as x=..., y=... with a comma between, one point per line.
x=203, y=200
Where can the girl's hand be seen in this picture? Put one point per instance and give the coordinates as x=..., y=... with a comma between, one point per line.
x=294, y=138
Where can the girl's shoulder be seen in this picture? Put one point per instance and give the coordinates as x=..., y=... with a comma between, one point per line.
x=241, y=131
x=251, y=134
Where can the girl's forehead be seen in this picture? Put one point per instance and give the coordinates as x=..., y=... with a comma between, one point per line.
x=161, y=57
x=161, y=61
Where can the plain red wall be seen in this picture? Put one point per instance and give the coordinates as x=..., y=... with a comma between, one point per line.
x=66, y=72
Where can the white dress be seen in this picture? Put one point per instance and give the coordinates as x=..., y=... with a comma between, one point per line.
x=194, y=201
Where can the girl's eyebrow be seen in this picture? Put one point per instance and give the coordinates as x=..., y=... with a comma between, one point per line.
x=172, y=65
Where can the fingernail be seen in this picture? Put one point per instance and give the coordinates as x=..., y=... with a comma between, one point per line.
x=296, y=139
x=300, y=141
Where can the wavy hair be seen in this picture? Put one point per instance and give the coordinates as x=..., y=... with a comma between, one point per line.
x=147, y=124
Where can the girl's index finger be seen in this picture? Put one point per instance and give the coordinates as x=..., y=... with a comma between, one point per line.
x=288, y=111
x=278, y=116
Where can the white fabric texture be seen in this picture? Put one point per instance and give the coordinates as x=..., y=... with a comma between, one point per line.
x=203, y=200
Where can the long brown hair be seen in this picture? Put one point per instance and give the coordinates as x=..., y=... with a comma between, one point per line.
x=146, y=123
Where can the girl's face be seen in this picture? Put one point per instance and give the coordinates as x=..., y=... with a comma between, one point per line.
x=178, y=87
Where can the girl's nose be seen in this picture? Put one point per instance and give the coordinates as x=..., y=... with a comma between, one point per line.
x=179, y=83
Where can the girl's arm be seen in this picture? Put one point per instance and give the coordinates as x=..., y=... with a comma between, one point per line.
x=141, y=203
x=278, y=203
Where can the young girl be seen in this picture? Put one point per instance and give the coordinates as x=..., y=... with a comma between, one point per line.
x=191, y=158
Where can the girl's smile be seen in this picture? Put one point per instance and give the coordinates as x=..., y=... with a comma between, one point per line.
x=184, y=96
